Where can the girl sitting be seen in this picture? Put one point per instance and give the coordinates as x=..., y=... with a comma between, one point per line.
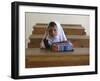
x=53, y=34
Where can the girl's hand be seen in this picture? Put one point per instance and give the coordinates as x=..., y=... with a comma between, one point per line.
x=54, y=47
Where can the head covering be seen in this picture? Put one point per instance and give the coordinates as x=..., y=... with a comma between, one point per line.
x=59, y=38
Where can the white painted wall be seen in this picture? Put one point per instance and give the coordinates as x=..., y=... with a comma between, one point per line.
x=33, y=18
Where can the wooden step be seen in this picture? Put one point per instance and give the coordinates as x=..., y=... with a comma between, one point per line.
x=71, y=25
x=36, y=57
x=69, y=29
x=77, y=40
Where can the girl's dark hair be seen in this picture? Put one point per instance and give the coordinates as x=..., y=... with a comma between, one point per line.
x=52, y=24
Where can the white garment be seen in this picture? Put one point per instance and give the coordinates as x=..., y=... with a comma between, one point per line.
x=59, y=38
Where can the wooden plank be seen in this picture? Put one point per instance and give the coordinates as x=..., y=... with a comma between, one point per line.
x=63, y=25
x=68, y=36
x=38, y=51
x=80, y=43
x=67, y=61
x=70, y=29
x=45, y=58
x=77, y=40
x=67, y=30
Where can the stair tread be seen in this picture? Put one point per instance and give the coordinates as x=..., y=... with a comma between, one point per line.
x=38, y=51
x=36, y=57
x=67, y=26
x=68, y=36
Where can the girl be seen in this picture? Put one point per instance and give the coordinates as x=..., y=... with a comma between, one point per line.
x=53, y=34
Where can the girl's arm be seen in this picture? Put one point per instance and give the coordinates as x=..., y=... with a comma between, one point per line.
x=46, y=43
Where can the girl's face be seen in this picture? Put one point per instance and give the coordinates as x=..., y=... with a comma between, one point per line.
x=52, y=31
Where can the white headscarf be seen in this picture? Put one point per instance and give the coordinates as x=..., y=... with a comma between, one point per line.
x=59, y=38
